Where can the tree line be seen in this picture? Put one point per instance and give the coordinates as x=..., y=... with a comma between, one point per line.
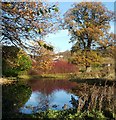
x=25, y=24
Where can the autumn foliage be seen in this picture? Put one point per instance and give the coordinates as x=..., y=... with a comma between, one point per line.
x=88, y=23
x=53, y=67
x=86, y=58
x=23, y=22
x=62, y=66
x=42, y=63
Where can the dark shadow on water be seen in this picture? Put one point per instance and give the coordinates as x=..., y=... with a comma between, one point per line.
x=95, y=81
x=13, y=97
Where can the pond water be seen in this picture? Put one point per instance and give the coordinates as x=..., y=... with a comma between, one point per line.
x=49, y=94
x=23, y=98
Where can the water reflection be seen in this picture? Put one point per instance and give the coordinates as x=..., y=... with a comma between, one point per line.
x=14, y=96
x=49, y=94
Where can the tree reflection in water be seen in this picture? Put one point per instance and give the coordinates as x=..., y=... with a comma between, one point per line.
x=48, y=94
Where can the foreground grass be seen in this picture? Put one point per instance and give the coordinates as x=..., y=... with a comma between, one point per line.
x=70, y=114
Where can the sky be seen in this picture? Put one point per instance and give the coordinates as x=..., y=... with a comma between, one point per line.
x=60, y=40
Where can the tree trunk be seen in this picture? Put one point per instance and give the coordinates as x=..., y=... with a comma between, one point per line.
x=88, y=69
x=115, y=65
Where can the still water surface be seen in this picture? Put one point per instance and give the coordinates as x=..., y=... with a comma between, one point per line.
x=49, y=94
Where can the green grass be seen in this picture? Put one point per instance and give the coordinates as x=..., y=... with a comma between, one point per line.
x=55, y=76
x=24, y=77
x=70, y=114
x=58, y=75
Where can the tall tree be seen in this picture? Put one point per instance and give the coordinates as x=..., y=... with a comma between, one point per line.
x=88, y=23
x=23, y=22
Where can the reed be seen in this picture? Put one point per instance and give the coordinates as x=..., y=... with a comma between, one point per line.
x=97, y=98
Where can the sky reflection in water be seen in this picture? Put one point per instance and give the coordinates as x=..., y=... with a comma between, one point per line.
x=57, y=97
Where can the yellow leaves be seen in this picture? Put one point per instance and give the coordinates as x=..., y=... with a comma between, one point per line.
x=87, y=58
x=92, y=19
x=85, y=17
x=41, y=43
x=40, y=30
x=8, y=5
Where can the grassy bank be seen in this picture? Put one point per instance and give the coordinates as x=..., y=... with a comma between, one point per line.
x=55, y=76
x=79, y=78
x=9, y=80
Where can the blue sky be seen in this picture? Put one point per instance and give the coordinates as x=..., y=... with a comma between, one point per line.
x=60, y=40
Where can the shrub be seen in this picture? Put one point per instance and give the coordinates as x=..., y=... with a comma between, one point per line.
x=62, y=66
x=15, y=61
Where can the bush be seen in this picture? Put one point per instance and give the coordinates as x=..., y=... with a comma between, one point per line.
x=15, y=61
x=62, y=66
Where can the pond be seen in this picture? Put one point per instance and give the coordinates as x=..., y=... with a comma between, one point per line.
x=27, y=98
x=49, y=94
x=36, y=95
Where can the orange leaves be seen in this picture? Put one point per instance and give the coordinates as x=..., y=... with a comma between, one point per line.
x=78, y=32
x=104, y=42
x=43, y=59
x=90, y=29
x=92, y=19
x=100, y=41
x=28, y=19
